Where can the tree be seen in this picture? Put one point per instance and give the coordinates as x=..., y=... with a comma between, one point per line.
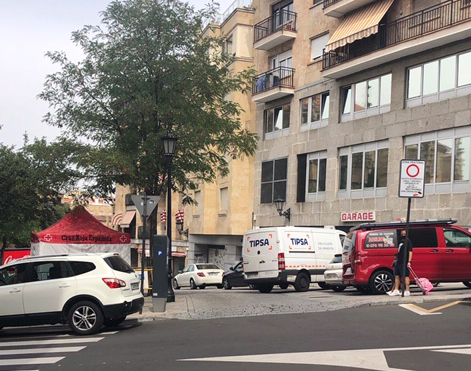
x=32, y=179
x=148, y=70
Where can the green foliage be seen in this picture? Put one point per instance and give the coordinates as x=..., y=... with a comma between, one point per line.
x=32, y=179
x=148, y=70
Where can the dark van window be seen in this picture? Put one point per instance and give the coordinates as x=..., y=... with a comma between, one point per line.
x=118, y=264
x=81, y=267
x=423, y=237
x=381, y=239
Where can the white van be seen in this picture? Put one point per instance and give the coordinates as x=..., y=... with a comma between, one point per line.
x=288, y=255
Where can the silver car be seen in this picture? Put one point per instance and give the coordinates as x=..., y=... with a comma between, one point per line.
x=333, y=274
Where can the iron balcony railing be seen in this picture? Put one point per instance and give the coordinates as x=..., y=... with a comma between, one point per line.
x=330, y=2
x=277, y=77
x=418, y=24
x=283, y=20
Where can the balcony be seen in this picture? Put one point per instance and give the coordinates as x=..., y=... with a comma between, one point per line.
x=275, y=30
x=432, y=27
x=274, y=84
x=338, y=8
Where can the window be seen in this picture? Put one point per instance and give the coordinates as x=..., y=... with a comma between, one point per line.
x=13, y=274
x=81, y=267
x=228, y=45
x=275, y=120
x=315, y=110
x=447, y=154
x=223, y=199
x=43, y=271
x=455, y=238
x=274, y=178
x=423, y=237
x=316, y=176
x=363, y=170
x=439, y=79
x=118, y=264
x=317, y=45
x=366, y=98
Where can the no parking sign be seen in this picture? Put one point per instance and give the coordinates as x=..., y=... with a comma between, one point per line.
x=412, y=182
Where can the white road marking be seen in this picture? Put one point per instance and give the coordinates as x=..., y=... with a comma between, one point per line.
x=29, y=361
x=455, y=351
x=40, y=350
x=370, y=359
x=418, y=310
x=72, y=340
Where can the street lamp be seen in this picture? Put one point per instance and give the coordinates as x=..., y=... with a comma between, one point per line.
x=279, y=207
x=169, y=149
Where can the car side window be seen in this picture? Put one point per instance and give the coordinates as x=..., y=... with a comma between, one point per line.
x=43, y=271
x=186, y=269
x=13, y=274
x=191, y=268
x=81, y=267
x=455, y=238
x=423, y=237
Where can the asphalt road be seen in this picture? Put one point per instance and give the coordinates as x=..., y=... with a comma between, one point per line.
x=369, y=338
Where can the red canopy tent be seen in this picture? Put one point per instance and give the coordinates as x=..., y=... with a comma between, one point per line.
x=80, y=232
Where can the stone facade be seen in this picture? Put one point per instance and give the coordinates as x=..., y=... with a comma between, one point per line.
x=400, y=121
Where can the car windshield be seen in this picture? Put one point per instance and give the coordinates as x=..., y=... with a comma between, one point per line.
x=207, y=266
x=118, y=264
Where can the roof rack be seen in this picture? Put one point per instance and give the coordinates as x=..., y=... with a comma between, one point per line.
x=403, y=224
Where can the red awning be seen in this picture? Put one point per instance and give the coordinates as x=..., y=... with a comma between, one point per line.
x=177, y=254
x=127, y=219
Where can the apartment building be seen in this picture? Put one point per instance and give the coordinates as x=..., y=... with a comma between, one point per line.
x=224, y=209
x=345, y=90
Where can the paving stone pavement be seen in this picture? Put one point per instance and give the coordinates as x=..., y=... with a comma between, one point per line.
x=214, y=303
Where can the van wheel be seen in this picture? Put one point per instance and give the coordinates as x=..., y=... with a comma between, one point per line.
x=85, y=318
x=323, y=285
x=284, y=286
x=381, y=282
x=192, y=284
x=302, y=282
x=265, y=289
x=339, y=288
x=467, y=284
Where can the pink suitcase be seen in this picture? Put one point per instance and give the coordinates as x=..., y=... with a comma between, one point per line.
x=424, y=284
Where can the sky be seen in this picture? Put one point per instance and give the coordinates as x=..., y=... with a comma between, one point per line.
x=28, y=29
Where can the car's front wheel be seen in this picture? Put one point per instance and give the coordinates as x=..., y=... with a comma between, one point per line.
x=193, y=284
x=226, y=284
x=85, y=318
x=175, y=284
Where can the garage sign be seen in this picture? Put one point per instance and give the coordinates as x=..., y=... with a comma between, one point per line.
x=412, y=178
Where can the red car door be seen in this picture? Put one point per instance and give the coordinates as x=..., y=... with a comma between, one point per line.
x=427, y=256
x=457, y=257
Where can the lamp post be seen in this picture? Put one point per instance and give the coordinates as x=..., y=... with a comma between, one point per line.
x=169, y=149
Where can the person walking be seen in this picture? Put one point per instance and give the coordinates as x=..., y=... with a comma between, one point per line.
x=398, y=265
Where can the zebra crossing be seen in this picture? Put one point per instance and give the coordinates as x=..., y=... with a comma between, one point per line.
x=17, y=354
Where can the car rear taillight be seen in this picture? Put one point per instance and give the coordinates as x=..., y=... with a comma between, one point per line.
x=281, y=261
x=200, y=274
x=114, y=283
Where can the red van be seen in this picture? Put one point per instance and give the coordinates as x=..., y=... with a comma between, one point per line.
x=442, y=253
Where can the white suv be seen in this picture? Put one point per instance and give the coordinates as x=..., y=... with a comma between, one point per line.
x=86, y=291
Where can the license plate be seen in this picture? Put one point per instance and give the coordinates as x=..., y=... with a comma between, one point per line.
x=213, y=273
x=135, y=286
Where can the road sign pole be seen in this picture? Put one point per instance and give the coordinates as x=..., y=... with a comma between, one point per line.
x=143, y=255
x=405, y=256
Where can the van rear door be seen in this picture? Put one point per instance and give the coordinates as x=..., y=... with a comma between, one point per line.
x=260, y=252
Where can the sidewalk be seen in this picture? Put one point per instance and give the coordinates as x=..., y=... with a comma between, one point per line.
x=209, y=305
